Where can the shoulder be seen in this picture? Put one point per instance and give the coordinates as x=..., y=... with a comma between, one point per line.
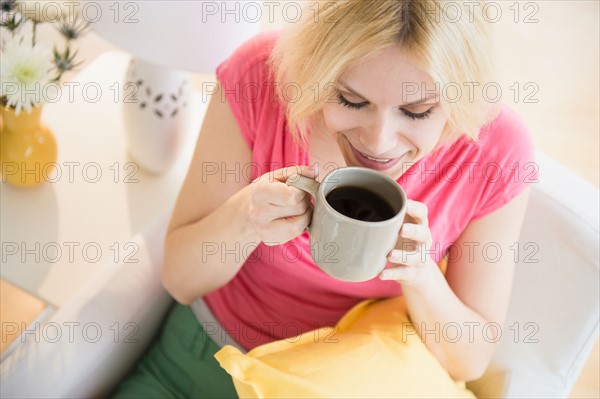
x=250, y=56
x=245, y=78
x=504, y=155
x=506, y=138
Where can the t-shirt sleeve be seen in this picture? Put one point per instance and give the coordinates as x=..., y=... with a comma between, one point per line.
x=508, y=164
x=243, y=78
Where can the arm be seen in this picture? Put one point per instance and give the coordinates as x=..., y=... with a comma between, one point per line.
x=208, y=210
x=217, y=215
x=473, y=293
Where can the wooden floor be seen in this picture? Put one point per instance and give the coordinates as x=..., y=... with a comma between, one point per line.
x=17, y=310
x=588, y=384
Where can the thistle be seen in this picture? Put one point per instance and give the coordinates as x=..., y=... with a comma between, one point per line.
x=11, y=22
x=73, y=30
x=64, y=61
x=7, y=5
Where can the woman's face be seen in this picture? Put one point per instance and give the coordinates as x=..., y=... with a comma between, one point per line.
x=385, y=114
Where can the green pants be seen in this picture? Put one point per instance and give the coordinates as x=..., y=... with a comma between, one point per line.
x=179, y=364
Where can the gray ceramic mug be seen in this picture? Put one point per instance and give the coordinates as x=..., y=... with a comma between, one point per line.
x=345, y=248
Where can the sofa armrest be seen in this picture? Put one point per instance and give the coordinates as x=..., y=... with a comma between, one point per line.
x=89, y=344
x=552, y=322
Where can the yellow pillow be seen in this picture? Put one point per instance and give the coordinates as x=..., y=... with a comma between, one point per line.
x=373, y=352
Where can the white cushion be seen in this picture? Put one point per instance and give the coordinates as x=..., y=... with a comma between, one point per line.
x=124, y=303
x=555, y=298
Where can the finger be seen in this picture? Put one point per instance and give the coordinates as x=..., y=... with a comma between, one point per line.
x=277, y=212
x=403, y=273
x=417, y=211
x=264, y=213
x=288, y=229
x=283, y=174
x=279, y=194
x=416, y=232
x=407, y=258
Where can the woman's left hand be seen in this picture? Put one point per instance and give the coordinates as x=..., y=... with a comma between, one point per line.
x=411, y=261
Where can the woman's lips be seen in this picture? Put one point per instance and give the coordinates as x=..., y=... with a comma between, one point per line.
x=374, y=163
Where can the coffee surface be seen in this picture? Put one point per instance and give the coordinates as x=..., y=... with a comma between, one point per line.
x=360, y=204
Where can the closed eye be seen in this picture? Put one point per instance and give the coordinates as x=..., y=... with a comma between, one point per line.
x=422, y=115
x=412, y=115
x=342, y=100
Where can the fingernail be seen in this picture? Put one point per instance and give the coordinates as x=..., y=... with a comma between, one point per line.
x=408, y=230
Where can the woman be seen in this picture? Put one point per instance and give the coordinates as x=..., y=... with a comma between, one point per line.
x=394, y=86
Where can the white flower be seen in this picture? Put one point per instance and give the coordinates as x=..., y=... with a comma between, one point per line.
x=48, y=10
x=24, y=71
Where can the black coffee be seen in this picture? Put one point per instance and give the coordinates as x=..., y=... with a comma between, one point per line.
x=360, y=204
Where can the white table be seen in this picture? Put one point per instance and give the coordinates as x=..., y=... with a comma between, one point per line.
x=57, y=235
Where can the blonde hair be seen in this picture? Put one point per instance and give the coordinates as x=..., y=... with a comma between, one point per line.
x=332, y=36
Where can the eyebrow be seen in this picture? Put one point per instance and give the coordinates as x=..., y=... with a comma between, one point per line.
x=348, y=88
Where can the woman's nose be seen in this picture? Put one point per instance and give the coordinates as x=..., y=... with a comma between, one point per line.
x=381, y=136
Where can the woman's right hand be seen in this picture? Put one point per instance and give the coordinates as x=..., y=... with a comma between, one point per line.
x=278, y=212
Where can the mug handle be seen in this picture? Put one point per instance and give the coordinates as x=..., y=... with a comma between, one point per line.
x=303, y=183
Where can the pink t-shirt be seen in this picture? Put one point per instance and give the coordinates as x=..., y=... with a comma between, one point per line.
x=280, y=292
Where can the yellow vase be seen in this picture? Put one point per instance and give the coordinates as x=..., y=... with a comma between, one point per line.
x=27, y=148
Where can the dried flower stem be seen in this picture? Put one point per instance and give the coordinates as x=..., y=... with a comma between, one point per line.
x=33, y=29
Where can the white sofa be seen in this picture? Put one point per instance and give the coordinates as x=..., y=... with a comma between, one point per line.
x=555, y=301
